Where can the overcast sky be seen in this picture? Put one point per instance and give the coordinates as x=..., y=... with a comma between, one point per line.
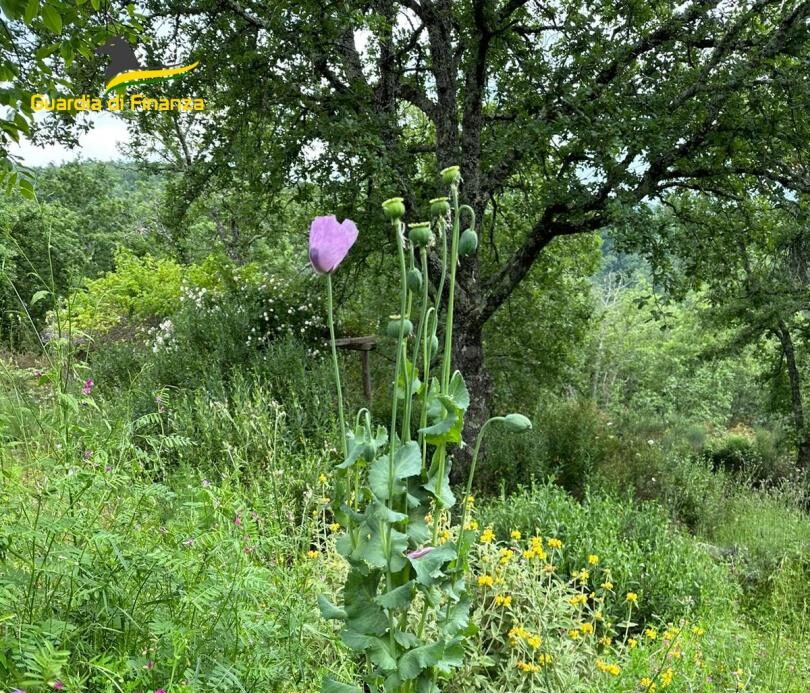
x=100, y=143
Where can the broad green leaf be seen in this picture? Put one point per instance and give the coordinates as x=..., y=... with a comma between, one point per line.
x=407, y=463
x=332, y=686
x=52, y=19
x=329, y=610
x=397, y=598
x=39, y=295
x=415, y=661
x=429, y=567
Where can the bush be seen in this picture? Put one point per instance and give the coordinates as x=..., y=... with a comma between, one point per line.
x=668, y=571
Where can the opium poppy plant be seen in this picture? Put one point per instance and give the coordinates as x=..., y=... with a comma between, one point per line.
x=405, y=602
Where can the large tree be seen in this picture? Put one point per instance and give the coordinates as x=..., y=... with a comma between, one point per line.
x=584, y=107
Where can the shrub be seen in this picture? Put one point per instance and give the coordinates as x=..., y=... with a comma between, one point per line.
x=669, y=572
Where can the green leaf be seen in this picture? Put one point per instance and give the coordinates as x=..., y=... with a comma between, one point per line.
x=52, y=19
x=407, y=463
x=397, y=598
x=330, y=611
x=458, y=392
x=415, y=661
x=381, y=655
x=332, y=686
x=39, y=295
x=457, y=618
x=429, y=567
x=440, y=487
x=31, y=10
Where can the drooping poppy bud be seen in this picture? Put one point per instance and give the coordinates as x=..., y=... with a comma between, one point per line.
x=414, y=280
x=468, y=243
x=329, y=242
x=517, y=423
x=394, y=208
x=419, y=234
x=451, y=174
x=434, y=345
x=439, y=206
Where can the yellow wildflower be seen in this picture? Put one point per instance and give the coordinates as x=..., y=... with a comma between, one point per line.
x=606, y=641
x=666, y=678
x=647, y=684
x=534, y=641
x=593, y=559
x=471, y=524
x=313, y=554
x=323, y=478
x=503, y=600
x=528, y=667
x=334, y=527
x=573, y=634
x=487, y=536
x=632, y=642
x=577, y=599
x=515, y=534
x=651, y=633
x=505, y=555
x=549, y=568
x=554, y=543
x=607, y=585
x=632, y=597
x=544, y=659
x=485, y=581
x=326, y=500
x=586, y=628
x=697, y=630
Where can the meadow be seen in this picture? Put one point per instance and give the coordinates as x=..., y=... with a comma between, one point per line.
x=171, y=458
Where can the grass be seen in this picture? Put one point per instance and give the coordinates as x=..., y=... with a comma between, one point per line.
x=180, y=542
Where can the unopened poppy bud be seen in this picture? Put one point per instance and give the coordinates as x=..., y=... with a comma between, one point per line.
x=468, y=243
x=393, y=327
x=394, y=208
x=517, y=423
x=439, y=206
x=434, y=345
x=369, y=451
x=419, y=234
x=451, y=174
x=414, y=280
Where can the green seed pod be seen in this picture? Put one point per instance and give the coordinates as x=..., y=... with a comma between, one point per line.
x=439, y=206
x=468, y=243
x=434, y=345
x=420, y=234
x=414, y=280
x=369, y=452
x=451, y=174
x=517, y=423
x=394, y=208
x=393, y=327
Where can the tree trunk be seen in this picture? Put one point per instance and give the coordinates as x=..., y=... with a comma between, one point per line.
x=802, y=437
x=468, y=357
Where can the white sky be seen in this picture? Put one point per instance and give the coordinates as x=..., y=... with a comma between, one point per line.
x=101, y=143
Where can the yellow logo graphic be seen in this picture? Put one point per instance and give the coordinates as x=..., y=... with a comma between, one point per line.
x=124, y=70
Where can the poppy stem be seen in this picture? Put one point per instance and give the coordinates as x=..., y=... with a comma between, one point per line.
x=330, y=308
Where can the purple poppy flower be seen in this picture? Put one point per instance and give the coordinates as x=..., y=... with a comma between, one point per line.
x=329, y=242
x=419, y=552
x=58, y=686
x=88, y=386
x=160, y=690
x=87, y=454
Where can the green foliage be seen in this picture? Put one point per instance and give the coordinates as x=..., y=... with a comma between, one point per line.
x=669, y=572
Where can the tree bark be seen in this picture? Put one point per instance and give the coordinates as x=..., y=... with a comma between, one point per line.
x=802, y=437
